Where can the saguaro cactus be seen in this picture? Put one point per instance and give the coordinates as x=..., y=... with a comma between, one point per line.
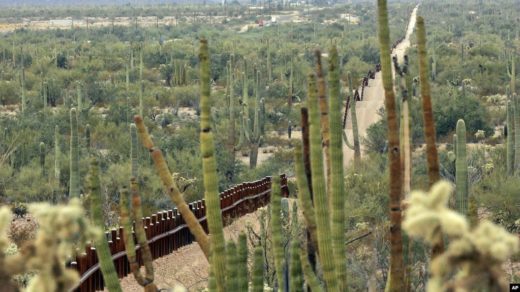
x=74, y=154
x=396, y=277
x=42, y=158
x=102, y=250
x=461, y=169
x=209, y=168
x=512, y=74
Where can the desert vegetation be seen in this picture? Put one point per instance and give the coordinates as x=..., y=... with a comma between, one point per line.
x=377, y=144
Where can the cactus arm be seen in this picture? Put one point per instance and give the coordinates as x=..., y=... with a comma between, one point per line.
x=171, y=188
x=209, y=168
x=319, y=190
x=304, y=197
x=258, y=271
x=276, y=230
x=103, y=252
x=310, y=277
x=461, y=170
x=74, y=155
x=347, y=141
x=337, y=179
x=396, y=247
x=324, y=113
x=242, y=262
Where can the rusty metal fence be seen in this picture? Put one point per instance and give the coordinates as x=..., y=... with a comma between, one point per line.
x=166, y=230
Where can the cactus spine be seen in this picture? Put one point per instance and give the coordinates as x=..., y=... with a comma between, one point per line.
x=337, y=179
x=396, y=276
x=209, y=169
x=461, y=175
x=102, y=250
x=74, y=154
x=510, y=137
x=319, y=189
x=42, y=158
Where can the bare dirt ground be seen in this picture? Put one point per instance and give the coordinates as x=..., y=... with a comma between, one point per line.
x=374, y=96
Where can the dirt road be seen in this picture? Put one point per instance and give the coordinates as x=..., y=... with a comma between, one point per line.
x=374, y=96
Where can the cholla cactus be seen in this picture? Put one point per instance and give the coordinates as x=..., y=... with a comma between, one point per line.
x=477, y=253
x=62, y=229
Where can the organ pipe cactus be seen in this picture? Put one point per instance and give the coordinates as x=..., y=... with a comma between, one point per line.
x=295, y=268
x=461, y=174
x=128, y=238
x=510, y=137
x=512, y=74
x=172, y=189
x=96, y=211
x=337, y=178
x=141, y=84
x=396, y=276
x=324, y=112
x=258, y=270
x=516, y=102
x=321, y=204
x=57, y=153
x=134, y=151
x=242, y=262
x=232, y=267
x=87, y=137
x=209, y=168
x=74, y=155
x=429, y=124
x=304, y=197
x=276, y=231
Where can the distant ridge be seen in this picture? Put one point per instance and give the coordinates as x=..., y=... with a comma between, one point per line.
x=17, y=3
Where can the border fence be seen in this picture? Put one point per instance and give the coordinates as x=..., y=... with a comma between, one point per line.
x=166, y=230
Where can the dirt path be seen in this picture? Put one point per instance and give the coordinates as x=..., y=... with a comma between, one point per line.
x=374, y=95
